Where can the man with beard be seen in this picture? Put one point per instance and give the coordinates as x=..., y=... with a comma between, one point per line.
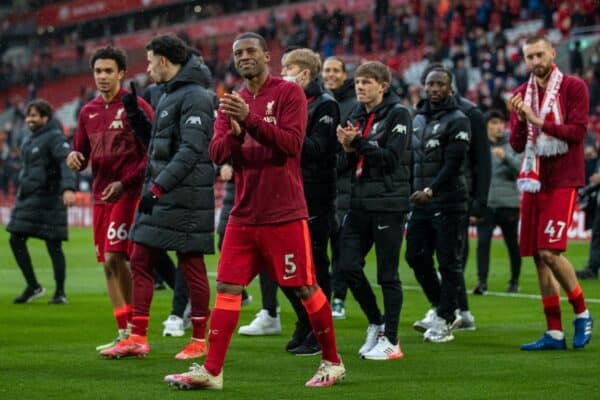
x=548, y=123
x=440, y=202
x=46, y=187
x=176, y=209
x=261, y=131
x=336, y=80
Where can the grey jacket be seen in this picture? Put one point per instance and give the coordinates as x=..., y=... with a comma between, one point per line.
x=39, y=210
x=178, y=162
x=503, y=187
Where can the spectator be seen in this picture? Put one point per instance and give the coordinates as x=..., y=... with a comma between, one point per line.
x=576, y=59
x=503, y=204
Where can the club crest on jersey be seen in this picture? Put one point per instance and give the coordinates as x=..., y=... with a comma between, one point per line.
x=269, y=117
x=117, y=122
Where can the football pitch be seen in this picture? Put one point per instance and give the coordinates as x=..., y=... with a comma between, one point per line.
x=47, y=352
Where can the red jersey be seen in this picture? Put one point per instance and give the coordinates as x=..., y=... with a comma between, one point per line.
x=266, y=158
x=105, y=138
x=564, y=170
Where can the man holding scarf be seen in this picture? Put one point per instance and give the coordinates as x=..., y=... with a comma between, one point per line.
x=548, y=122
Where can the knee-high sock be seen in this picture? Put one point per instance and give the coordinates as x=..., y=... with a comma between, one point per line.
x=552, y=312
x=224, y=319
x=319, y=313
x=577, y=300
x=193, y=268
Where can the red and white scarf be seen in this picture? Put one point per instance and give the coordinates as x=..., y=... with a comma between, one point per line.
x=538, y=143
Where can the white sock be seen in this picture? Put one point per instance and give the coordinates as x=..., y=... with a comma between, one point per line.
x=557, y=335
x=585, y=314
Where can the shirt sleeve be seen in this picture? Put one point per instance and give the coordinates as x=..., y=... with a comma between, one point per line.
x=454, y=153
x=518, y=130
x=224, y=144
x=81, y=140
x=317, y=143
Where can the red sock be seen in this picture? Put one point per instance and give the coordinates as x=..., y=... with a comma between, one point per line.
x=139, y=325
x=224, y=319
x=121, y=317
x=199, y=327
x=319, y=314
x=129, y=309
x=577, y=300
x=552, y=312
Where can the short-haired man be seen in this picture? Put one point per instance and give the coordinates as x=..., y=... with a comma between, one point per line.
x=46, y=188
x=376, y=143
x=261, y=130
x=118, y=159
x=318, y=162
x=548, y=123
x=176, y=210
x=440, y=203
x=335, y=79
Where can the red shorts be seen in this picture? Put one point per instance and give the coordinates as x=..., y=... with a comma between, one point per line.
x=112, y=222
x=284, y=249
x=545, y=220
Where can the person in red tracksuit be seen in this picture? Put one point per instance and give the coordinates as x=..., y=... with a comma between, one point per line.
x=118, y=159
x=548, y=124
x=261, y=131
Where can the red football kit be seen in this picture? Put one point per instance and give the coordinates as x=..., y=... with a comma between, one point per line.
x=546, y=215
x=107, y=141
x=267, y=225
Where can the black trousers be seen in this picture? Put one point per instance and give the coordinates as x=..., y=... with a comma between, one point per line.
x=594, y=260
x=18, y=244
x=359, y=233
x=320, y=227
x=442, y=233
x=508, y=220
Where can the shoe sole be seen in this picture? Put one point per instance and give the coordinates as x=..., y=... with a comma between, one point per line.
x=445, y=340
x=187, y=386
x=174, y=333
x=119, y=356
x=386, y=358
x=34, y=296
x=420, y=328
x=340, y=378
x=306, y=354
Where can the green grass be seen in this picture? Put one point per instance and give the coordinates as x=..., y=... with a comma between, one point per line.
x=47, y=352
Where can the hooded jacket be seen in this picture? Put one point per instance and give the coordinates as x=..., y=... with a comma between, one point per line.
x=440, y=143
x=183, y=218
x=39, y=210
x=384, y=185
x=319, y=149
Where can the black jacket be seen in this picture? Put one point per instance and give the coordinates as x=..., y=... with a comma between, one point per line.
x=319, y=149
x=178, y=162
x=39, y=210
x=440, y=143
x=479, y=163
x=384, y=185
x=346, y=98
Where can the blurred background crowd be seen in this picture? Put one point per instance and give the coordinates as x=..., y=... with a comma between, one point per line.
x=45, y=45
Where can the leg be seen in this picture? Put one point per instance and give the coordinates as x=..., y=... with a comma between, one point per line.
x=420, y=238
x=118, y=284
x=461, y=295
x=57, y=256
x=509, y=223
x=387, y=246
x=356, y=241
x=18, y=244
x=166, y=270
x=485, y=229
x=143, y=262
x=338, y=284
x=268, y=290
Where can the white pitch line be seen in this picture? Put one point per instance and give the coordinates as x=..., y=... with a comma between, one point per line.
x=495, y=294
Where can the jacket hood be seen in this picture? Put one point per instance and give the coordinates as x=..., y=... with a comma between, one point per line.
x=192, y=72
x=52, y=125
x=345, y=91
x=424, y=107
x=390, y=99
x=314, y=88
